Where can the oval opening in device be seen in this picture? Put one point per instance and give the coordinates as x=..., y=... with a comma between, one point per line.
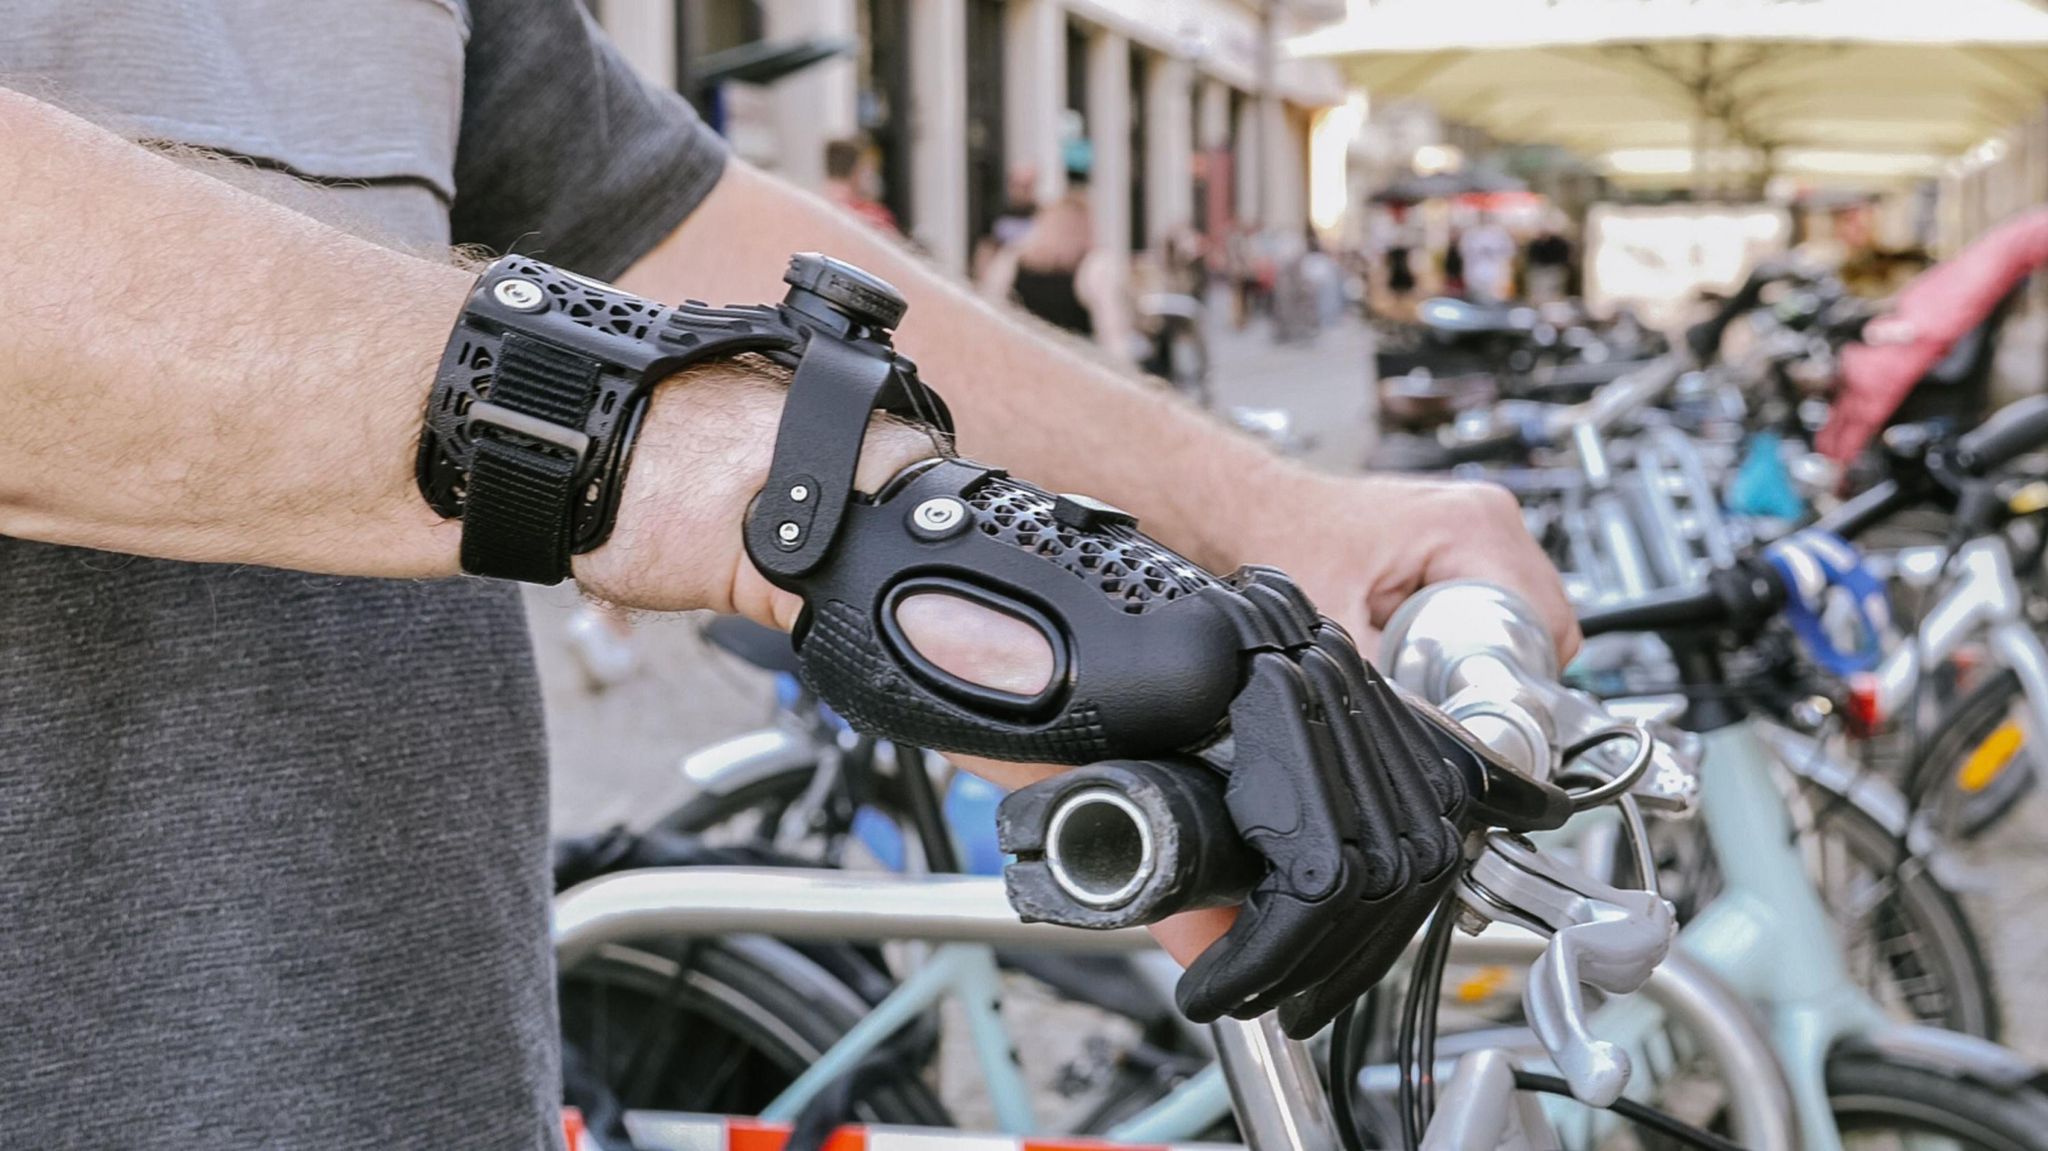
x=976, y=644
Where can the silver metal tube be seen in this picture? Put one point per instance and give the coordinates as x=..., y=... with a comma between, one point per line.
x=1279, y=1100
x=798, y=903
x=1620, y=545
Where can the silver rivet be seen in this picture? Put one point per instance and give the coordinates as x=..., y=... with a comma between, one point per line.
x=799, y=493
x=938, y=515
x=522, y=294
x=788, y=532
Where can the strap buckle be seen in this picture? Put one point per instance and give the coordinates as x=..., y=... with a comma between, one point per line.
x=554, y=435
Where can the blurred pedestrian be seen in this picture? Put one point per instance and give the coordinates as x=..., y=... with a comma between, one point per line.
x=853, y=181
x=1020, y=204
x=1056, y=272
x=1454, y=264
x=1488, y=255
x=1547, y=265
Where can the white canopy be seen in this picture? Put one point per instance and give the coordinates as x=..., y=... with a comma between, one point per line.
x=1864, y=90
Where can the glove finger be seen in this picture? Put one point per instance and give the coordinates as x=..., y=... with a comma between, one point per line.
x=1383, y=942
x=1284, y=796
x=1428, y=790
x=1273, y=934
x=1377, y=838
x=1416, y=783
x=1358, y=927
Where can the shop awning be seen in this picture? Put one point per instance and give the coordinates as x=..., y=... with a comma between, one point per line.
x=1856, y=90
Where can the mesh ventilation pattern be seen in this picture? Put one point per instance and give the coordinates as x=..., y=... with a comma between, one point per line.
x=595, y=309
x=1128, y=568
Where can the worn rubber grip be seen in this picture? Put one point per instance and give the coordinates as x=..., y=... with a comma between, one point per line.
x=1124, y=844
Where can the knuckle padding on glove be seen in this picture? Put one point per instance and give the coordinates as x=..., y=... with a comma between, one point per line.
x=1308, y=950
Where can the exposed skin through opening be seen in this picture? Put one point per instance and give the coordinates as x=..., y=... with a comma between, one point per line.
x=961, y=637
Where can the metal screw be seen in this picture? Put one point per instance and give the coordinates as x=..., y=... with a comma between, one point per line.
x=799, y=493
x=788, y=532
x=938, y=515
x=522, y=294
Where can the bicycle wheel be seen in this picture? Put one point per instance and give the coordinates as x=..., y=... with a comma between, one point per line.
x=1882, y=1104
x=748, y=813
x=1908, y=939
x=714, y=1026
x=1980, y=761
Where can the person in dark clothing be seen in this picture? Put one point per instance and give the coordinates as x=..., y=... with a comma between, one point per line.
x=1056, y=272
x=1547, y=267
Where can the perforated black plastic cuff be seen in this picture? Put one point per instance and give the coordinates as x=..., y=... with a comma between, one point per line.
x=531, y=423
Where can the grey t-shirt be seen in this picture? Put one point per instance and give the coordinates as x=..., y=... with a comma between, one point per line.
x=272, y=846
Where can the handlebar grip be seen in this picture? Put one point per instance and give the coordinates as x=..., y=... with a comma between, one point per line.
x=2011, y=432
x=1738, y=597
x=1704, y=338
x=1664, y=611
x=1858, y=514
x=1124, y=844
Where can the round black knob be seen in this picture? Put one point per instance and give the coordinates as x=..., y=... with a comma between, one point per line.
x=858, y=295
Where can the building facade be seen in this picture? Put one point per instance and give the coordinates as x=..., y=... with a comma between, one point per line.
x=1194, y=118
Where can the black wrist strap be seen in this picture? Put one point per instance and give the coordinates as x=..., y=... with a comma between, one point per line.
x=522, y=487
x=544, y=380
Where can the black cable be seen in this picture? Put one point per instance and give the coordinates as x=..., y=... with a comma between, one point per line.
x=1344, y=1039
x=1404, y=1055
x=1437, y=947
x=1416, y=1047
x=1661, y=1122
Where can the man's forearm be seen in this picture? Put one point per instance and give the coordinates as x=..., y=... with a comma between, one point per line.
x=189, y=371
x=1033, y=403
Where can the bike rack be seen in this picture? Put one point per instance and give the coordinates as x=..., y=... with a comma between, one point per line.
x=1286, y=1112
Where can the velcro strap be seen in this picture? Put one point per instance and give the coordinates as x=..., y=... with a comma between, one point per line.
x=529, y=447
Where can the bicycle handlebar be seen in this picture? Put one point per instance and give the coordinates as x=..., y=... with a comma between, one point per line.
x=1126, y=843
x=1704, y=338
x=1739, y=597
x=2013, y=431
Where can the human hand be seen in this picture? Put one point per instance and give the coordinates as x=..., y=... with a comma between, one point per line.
x=1360, y=546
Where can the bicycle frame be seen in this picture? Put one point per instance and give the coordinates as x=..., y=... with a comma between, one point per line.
x=1769, y=935
x=1267, y=1080
x=1769, y=938
x=1984, y=601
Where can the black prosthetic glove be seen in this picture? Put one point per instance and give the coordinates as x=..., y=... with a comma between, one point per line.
x=1355, y=804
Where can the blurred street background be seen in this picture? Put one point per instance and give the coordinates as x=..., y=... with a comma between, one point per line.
x=1268, y=186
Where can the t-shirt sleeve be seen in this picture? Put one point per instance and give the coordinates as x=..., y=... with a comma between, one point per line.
x=566, y=153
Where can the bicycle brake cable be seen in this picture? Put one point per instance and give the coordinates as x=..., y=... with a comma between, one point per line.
x=1417, y=1043
x=1662, y=1122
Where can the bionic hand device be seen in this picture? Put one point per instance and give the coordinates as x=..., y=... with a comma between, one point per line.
x=1355, y=806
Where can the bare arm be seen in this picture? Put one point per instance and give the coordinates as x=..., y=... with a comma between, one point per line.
x=192, y=372
x=1032, y=403
x=1052, y=412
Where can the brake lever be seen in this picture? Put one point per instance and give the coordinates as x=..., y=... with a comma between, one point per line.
x=1502, y=795
x=1606, y=937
